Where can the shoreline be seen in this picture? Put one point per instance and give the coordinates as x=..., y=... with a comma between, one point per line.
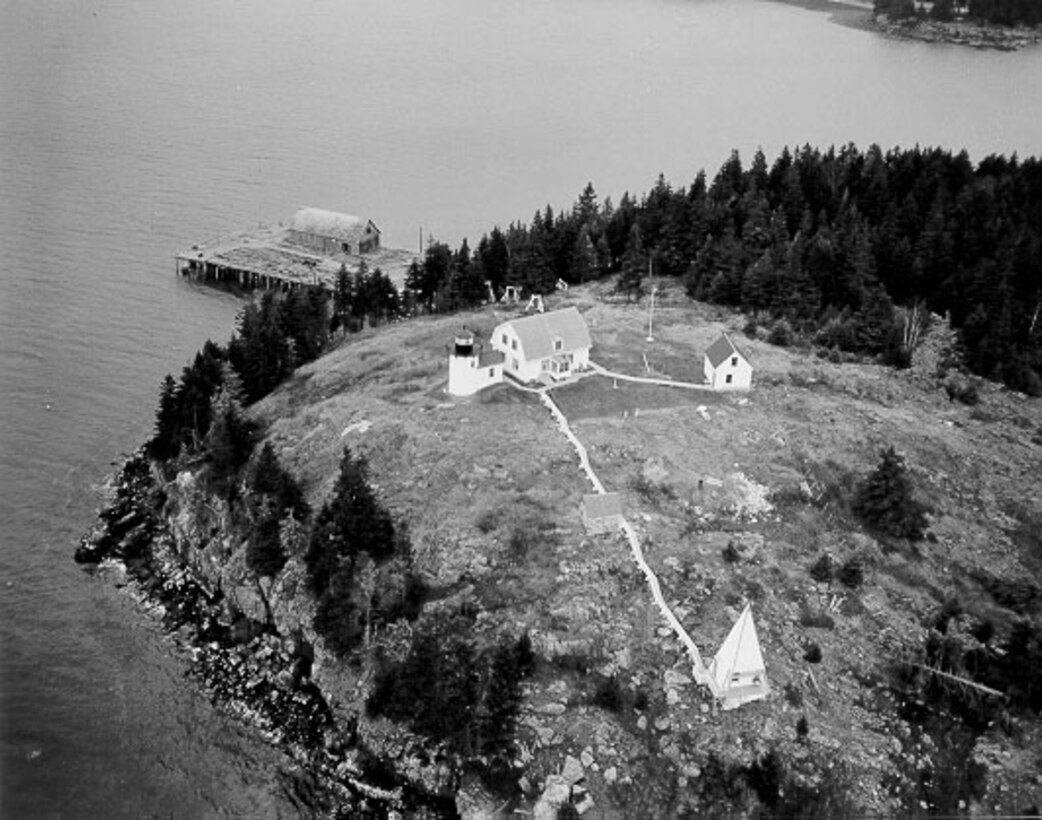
x=246, y=667
x=859, y=14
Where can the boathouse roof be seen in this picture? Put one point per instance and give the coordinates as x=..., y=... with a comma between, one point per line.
x=335, y=225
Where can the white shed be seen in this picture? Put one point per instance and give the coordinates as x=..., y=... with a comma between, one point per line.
x=726, y=368
x=601, y=513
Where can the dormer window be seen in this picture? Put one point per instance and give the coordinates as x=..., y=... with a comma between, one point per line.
x=558, y=344
x=734, y=361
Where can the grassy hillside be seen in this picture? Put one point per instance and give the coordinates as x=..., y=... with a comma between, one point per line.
x=490, y=491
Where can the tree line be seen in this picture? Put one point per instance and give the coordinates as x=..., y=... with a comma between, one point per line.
x=850, y=249
x=998, y=12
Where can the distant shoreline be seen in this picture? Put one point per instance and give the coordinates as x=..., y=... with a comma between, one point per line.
x=850, y=13
x=859, y=14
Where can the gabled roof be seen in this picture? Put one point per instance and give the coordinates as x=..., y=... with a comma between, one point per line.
x=721, y=350
x=602, y=505
x=330, y=223
x=538, y=333
x=740, y=651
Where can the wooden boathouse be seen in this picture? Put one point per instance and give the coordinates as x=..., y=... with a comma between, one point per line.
x=309, y=252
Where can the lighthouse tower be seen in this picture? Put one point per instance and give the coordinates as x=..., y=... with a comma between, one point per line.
x=470, y=367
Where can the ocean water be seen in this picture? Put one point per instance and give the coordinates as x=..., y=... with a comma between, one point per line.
x=131, y=130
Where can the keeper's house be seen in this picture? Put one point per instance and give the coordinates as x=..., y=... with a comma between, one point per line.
x=332, y=233
x=554, y=344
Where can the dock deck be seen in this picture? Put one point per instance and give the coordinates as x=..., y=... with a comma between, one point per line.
x=265, y=258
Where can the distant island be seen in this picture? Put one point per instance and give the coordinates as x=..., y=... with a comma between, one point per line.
x=999, y=24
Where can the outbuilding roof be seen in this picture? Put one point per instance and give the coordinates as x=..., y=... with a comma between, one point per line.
x=330, y=223
x=602, y=505
x=490, y=358
x=538, y=333
x=721, y=350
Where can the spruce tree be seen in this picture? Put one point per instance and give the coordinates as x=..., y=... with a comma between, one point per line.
x=501, y=702
x=634, y=262
x=264, y=553
x=164, y=443
x=884, y=500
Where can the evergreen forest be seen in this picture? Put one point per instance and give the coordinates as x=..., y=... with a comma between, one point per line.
x=997, y=12
x=844, y=249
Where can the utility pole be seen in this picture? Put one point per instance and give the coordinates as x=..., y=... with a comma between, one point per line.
x=651, y=307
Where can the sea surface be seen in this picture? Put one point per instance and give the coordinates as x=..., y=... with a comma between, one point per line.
x=130, y=130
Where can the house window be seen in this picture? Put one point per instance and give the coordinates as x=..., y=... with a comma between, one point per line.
x=734, y=361
x=513, y=363
x=504, y=340
x=492, y=372
x=729, y=377
x=513, y=344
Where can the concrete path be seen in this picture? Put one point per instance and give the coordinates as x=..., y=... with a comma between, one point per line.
x=698, y=669
x=611, y=374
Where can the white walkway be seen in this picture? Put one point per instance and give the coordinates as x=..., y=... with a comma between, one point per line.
x=611, y=374
x=698, y=669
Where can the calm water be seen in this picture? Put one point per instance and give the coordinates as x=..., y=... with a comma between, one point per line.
x=129, y=130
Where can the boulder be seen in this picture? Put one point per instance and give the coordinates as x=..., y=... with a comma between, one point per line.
x=556, y=793
x=573, y=770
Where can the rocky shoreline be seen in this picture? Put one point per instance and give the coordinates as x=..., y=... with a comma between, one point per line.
x=972, y=35
x=245, y=665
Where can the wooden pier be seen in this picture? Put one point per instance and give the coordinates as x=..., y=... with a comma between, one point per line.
x=266, y=259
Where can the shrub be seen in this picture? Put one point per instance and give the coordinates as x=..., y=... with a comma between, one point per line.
x=730, y=553
x=815, y=619
x=781, y=334
x=802, y=729
x=962, y=390
x=793, y=696
x=609, y=695
x=822, y=569
x=852, y=573
x=813, y=654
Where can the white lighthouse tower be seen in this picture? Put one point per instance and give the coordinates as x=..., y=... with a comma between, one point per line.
x=471, y=368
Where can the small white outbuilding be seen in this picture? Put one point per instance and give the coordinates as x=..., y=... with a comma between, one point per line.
x=726, y=368
x=601, y=513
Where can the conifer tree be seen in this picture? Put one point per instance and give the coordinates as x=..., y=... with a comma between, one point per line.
x=353, y=521
x=164, y=443
x=264, y=553
x=343, y=296
x=884, y=500
x=634, y=263
x=501, y=702
x=229, y=440
x=268, y=478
